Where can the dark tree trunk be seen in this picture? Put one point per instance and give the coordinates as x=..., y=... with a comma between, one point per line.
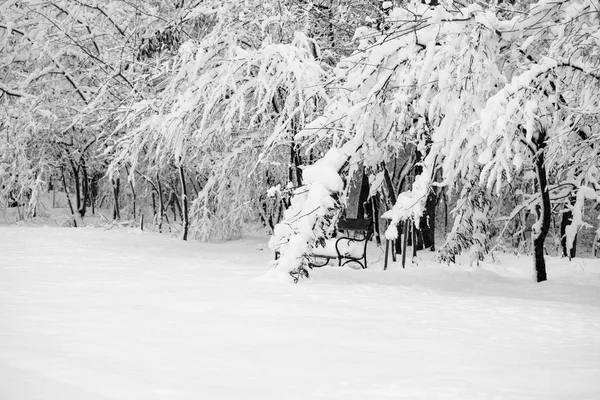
x=375, y=216
x=116, y=183
x=75, y=171
x=427, y=224
x=396, y=245
x=543, y=223
x=84, y=189
x=194, y=187
x=133, y=194
x=387, y=251
x=292, y=161
x=398, y=242
x=295, y=165
x=331, y=18
x=171, y=205
x=160, y=204
x=404, y=242
x=414, y=239
x=184, y=201
x=94, y=189
x=175, y=207
x=64, y=181
x=154, y=214
x=567, y=218
x=364, y=208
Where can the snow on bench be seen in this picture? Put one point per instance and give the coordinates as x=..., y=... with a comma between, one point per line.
x=349, y=248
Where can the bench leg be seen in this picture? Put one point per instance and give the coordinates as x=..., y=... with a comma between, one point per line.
x=313, y=265
x=358, y=261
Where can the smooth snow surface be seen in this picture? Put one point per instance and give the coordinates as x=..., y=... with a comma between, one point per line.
x=89, y=314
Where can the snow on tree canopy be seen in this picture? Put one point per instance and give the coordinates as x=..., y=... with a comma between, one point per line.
x=475, y=96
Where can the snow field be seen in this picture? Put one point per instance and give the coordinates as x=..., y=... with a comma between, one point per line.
x=89, y=314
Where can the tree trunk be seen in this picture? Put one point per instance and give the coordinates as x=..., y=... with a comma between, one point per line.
x=116, y=182
x=160, y=204
x=77, y=190
x=427, y=224
x=93, y=190
x=364, y=209
x=175, y=207
x=195, y=187
x=154, y=213
x=184, y=201
x=414, y=239
x=543, y=223
x=445, y=198
x=330, y=19
x=375, y=216
x=133, y=195
x=404, y=242
x=567, y=218
x=396, y=244
x=295, y=162
x=387, y=252
x=84, y=189
x=64, y=181
x=354, y=208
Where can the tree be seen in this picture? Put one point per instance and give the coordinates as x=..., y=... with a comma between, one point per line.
x=474, y=95
x=231, y=103
x=66, y=66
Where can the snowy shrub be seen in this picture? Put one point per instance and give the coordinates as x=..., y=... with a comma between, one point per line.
x=312, y=215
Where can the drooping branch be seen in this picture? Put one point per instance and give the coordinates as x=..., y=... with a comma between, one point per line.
x=87, y=27
x=103, y=13
x=9, y=92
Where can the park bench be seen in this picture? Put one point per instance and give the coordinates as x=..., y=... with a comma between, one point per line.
x=350, y=246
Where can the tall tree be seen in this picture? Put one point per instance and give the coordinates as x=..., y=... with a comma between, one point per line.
x=231, y=105
x=475, y=95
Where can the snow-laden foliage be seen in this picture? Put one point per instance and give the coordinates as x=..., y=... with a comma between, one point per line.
x=65, y=66
x=583, y=193
x=470, y=232
x=477, y=95
x=230, y=106
x=314, y=209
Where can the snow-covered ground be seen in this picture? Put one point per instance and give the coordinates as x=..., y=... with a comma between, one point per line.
x=90, y=314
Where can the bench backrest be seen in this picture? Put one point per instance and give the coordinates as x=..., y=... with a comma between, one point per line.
x=354, y=225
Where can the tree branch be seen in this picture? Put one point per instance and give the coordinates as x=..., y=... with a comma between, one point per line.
x=9, y=92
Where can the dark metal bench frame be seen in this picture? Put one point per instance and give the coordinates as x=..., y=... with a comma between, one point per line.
x=355, y=231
